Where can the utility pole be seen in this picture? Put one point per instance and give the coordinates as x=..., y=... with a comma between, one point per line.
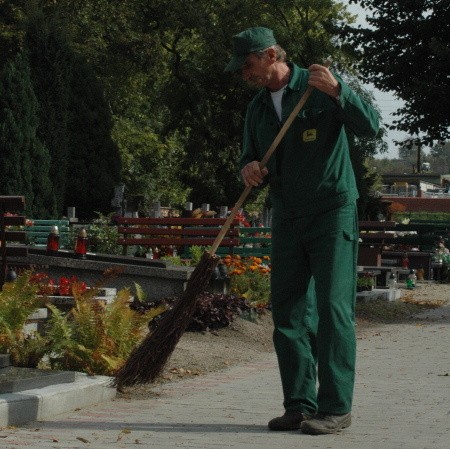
x=419, y=157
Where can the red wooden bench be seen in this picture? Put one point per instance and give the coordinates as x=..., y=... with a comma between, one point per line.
x=376, y=240
x=174, y=231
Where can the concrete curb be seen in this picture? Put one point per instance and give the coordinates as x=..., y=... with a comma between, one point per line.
x=43, y=404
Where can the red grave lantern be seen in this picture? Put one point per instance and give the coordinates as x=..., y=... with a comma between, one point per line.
x=53, y=241
x=81, y=244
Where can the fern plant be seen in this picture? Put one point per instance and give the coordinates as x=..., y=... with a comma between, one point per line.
x=27, y=349
x=94, y=337
x=18, y=301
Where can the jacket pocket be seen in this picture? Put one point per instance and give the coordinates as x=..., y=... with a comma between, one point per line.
x=350, y=236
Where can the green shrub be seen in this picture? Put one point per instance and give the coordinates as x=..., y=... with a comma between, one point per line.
x=196, y=253
x=215, y=311
x=423, y=216
x=103, y=236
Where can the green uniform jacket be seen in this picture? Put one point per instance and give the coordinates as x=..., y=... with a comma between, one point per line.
x=310, y=172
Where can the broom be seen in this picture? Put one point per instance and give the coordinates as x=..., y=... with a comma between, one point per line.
x=148, y=359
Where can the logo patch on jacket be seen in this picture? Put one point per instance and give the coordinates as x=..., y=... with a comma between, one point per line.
x=309, y=135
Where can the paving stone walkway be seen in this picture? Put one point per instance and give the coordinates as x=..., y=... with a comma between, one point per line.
x=402, y=400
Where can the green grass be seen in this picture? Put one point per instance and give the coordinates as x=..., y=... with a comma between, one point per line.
x=428, y=216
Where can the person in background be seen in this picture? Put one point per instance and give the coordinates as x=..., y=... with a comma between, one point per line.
x=442, y=257
x=314, y=225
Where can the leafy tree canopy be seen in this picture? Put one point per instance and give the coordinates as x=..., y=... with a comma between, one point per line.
x=206, y=106
x=405, y=50
x=177, y=119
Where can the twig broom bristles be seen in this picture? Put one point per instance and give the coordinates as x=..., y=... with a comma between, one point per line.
x=147, y=360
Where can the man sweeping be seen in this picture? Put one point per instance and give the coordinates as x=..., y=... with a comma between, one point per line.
x=314, y=225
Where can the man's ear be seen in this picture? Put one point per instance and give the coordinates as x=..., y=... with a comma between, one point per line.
x=271, y=55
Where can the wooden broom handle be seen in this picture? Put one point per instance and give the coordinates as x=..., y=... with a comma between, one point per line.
x=262, y=164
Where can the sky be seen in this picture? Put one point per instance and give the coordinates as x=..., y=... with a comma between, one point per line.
x=386, y=101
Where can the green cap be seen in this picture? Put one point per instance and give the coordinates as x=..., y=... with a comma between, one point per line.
x=249, y=41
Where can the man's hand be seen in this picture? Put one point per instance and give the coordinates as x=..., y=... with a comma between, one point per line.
x=321, y=78
x=252, y=175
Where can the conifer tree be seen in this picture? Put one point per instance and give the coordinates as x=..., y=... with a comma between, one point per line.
x=50, y=61
x=94, y=160
x=25, y=160
x=17, y=121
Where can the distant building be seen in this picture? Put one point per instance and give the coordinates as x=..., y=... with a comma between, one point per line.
x=416, y=185
x=417, y=192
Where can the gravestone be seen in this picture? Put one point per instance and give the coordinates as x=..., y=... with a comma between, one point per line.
x=14, y=379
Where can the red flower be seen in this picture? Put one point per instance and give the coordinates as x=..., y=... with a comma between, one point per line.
x=64, y=286
x=67, y=286
x=46, y=285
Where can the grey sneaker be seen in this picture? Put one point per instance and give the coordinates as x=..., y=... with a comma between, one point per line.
x=291, y=420
x=322, y=424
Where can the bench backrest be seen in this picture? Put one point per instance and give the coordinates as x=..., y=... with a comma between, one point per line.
x=38, y=231
x=254, y=241
x=416, y=234
x=175, y=231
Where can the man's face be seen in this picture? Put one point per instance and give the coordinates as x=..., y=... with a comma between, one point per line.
x=255, y=71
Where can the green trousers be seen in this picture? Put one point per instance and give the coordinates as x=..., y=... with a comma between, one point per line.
x=313, y=287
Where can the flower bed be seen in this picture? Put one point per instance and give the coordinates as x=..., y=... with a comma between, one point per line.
x=91, y=338
x=65, y=287
x=250, y=278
